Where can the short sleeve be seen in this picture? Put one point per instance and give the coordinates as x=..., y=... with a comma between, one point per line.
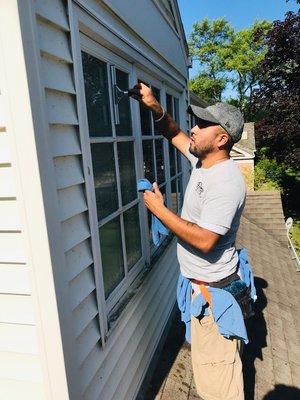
x=219, y=208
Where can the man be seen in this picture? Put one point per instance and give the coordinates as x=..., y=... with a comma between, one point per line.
x=206, y=231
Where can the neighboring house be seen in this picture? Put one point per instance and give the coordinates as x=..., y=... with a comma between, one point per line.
x=84, y=295
x=243, y=154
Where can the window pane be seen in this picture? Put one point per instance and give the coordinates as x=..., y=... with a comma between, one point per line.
x=159, y=149
x=124, y=128
x=172, y=159
x=176, y=110
x=170, y=104
x=111, y=254
x=148, y=160
x=104, y=178
x=156, y=93
x=132, y=236
x=145, y=116
x=96, y=94
x=174, y=195
x=178, y=155
x=127, y=172
x=180, y=192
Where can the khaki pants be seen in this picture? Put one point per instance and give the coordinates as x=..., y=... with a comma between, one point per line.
x=217, y=366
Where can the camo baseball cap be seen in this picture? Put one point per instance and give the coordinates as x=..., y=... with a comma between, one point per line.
x=229, y=117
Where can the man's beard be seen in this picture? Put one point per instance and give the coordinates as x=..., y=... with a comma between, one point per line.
x=201, y=153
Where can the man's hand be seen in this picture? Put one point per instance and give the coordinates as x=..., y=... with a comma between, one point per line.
x=144, y=95
x=154, y=201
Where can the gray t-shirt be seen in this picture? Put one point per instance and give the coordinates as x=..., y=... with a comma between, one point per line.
x=214, y=200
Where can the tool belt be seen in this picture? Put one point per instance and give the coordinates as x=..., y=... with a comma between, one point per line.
x=235, y=286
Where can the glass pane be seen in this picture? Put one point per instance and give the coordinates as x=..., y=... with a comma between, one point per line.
x=96, y=94
x=170, y=104
x=148, y=160
x=132, y=236
x=104, y=178
x=176, y=110
x=127, y=172
x=172, y=159
x=180, y=192
x=174, y=195
x=145, y=116
x=159, y=149
x=111, y=254
x=124, y=128
x=156, y=93
x=178, y=155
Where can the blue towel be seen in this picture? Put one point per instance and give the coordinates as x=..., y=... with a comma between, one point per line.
x=225, y=309
x=158, y=229
x=246, y=272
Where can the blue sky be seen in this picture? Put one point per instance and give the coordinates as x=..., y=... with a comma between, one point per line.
x=240, y=13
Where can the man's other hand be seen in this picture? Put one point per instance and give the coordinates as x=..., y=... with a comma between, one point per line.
x=154, y=201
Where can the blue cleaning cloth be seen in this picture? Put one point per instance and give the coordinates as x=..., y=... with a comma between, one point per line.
x=246, y=272
x=157, y=228
x=225, y=309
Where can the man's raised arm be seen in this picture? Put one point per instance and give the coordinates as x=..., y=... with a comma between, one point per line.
x=166, y=125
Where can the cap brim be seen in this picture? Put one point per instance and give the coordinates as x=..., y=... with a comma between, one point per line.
x=201, y=113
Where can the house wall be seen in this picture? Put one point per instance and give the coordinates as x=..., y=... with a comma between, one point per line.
x=247, y=169
x=53, y=342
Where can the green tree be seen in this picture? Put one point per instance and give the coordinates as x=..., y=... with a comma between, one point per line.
x=226, y=56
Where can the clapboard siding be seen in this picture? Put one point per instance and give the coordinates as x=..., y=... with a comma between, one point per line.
x=87, y=341
x=81, y=286
x=53, y=41
x=16, y=309
x=64, y=140
x=60, y=107
x=21, y=367
x=52, y=69
x=12, y=248
x=72, y=201
x=79, y=258
x=18, y=338
x=84, y=313
x=9, y=216
x=14, y=279
x=68, y=171
x=54, y=11
x=7, y=182
x=75, y=230
x=5, y=157
x=11, y=389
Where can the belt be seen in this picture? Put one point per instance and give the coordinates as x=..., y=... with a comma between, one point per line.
x=219, y=284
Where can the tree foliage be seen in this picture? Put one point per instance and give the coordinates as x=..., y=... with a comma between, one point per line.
x=277, y=101
x=226, y=56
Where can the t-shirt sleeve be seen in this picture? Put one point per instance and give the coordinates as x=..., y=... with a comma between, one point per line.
x=219, y=208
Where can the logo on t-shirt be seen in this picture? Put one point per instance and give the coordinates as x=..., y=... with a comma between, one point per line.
x=199, y=188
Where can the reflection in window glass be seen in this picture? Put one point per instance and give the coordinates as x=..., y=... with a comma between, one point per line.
x=174, y=195
x=124, y=128
x=159, y=161
x=127, y=172
x=180, y=192
x=156, y=93
x=148, y=160
x=145, y=116
x=179, y=167
x=104, y=178
x=172, y=159
x=169, y=100
x=111, y=255
x=97, y=95
x=176, y=110
x=132, y=236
